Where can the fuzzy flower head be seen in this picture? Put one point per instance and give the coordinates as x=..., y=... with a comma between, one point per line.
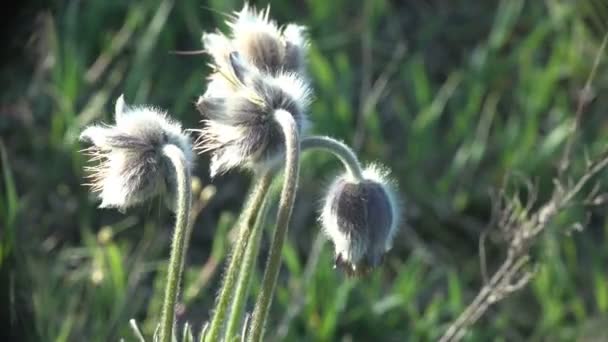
x=361, y=218
x=131, y=168
x=260, y=41
x=238, y=109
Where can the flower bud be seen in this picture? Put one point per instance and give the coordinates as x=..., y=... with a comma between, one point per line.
x=239, y=107
x=361, y=218
x=131, y=168
x=260, y=42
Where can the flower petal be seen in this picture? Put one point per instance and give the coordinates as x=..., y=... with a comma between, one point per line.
x=97, y=135
x=120, y=108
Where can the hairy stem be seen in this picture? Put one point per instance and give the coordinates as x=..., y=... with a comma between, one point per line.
x=244, y=225
x=288, y=195
x=246, y=271
x=184, y=199
x=339, y=149
x=457, y=329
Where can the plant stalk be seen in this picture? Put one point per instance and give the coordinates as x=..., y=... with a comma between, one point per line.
x=337, y=148
x=288, y=195
x=247, y=266
x=244, y=225
x=184, y=199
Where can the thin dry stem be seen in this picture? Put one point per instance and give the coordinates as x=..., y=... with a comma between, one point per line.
x=520, y=225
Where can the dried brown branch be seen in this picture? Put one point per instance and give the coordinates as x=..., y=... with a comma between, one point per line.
x=520, y=225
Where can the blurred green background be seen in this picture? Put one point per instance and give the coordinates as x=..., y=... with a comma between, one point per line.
x=453, y=96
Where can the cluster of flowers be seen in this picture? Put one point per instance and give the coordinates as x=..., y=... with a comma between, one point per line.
x=259, y=74
x=257, y=70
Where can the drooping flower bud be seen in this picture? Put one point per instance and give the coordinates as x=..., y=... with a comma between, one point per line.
x=260, y=42
x=131, y=168
x=361, y=219
x=239, y=107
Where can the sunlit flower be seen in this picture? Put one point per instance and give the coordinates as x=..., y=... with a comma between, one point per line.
x=260, y=42
x=131, y=167
x=361, y=219
x=239, y=108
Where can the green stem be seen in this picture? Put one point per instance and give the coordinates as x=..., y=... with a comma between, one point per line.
x=184, y=200
x=288, y=195
x=339, y=149
x=245, y=222
x=246, y=271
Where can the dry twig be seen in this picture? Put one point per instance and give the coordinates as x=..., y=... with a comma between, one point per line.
x=521, y=225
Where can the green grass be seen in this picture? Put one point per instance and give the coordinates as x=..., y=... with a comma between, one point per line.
x=479, y=91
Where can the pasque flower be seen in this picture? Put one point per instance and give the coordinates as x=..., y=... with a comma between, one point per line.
x=131, y=167
x=258, y=69
x=260, y=42
x=145, y=154
x=254, y=112
x=361, y=217
x=239, y=110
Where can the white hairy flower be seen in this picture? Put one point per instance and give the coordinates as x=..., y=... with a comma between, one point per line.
x=239, y=107
x=130, y=164
x=260, y=42
x=361, y=218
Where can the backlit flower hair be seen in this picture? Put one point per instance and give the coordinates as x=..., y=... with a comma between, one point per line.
x=260, y=42
x=361, y=219
x=239, y=107
x=131, y=167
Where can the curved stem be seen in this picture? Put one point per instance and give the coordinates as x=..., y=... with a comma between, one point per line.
x=339, y=149
x=184, y=199
x=246, y=271
x=244, y=225
x=288, y=195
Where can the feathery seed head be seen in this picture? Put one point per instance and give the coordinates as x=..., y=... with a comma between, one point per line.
x=239, y=107
x=361, y=218
x=131, y=167
x=260, y=41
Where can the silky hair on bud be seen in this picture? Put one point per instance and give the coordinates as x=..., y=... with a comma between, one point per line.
x=239, y=125
x=261, y=42
x=130, y=166
x=361, y=218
